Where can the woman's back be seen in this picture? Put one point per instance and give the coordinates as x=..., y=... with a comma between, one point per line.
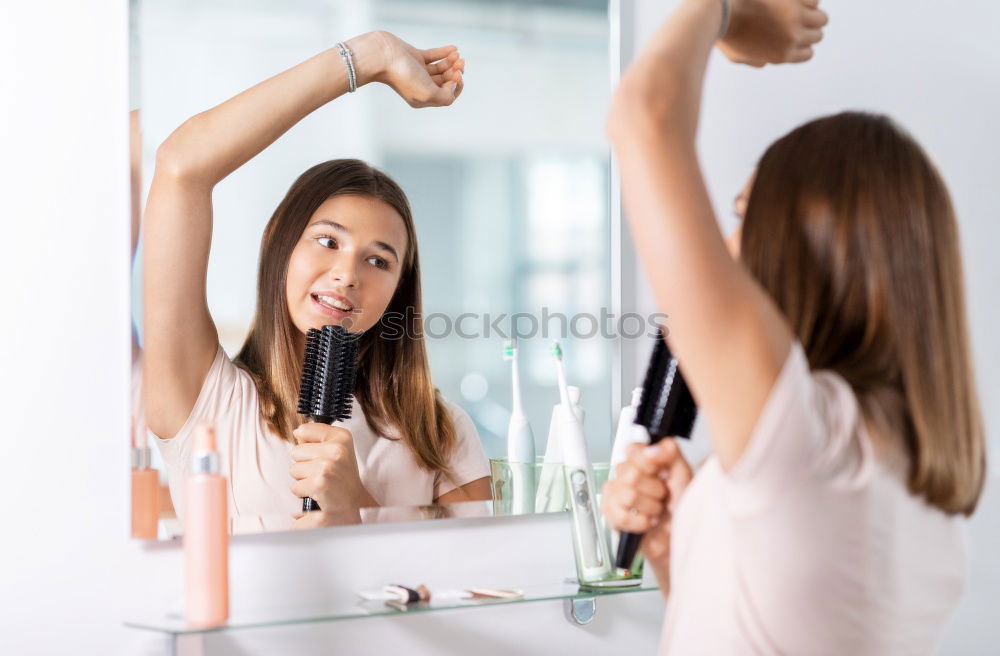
x=812, y=542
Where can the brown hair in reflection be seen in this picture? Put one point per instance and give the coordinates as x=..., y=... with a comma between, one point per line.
x=394, y=385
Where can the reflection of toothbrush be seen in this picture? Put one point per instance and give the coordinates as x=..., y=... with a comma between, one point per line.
x=561, y=374
x=520, y=444
x=593, y=563
x=551, y=494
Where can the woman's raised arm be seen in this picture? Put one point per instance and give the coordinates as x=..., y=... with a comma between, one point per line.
x=727, y=333
x=179, y=337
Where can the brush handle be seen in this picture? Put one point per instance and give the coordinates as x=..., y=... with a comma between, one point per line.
x=667, y=408
x=628, y=543
x=628, y=547
x=522, y=488
x=309, y=504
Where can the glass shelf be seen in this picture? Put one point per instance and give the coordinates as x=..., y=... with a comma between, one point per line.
x=355, y=608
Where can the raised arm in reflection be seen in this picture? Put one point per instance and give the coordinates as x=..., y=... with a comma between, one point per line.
x=341, y=249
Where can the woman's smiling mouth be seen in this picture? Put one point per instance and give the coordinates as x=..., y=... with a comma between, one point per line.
x=333, y=304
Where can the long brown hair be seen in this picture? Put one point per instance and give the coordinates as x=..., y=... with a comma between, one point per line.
x=850, y=228
x=393, y=385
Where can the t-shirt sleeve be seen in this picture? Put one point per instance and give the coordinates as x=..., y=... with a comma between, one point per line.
x=807, y=434
x=468, y=462
x=221, y=392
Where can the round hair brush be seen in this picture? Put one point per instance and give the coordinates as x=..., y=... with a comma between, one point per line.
x=667, y=409
x=328, y=371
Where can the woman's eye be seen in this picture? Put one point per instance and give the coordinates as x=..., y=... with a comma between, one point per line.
x=378, y=262
x=327, y=242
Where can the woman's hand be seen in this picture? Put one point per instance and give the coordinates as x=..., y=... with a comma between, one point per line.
x=642, y=498
x=772, y=31
x=423, y=78
x=326, y=469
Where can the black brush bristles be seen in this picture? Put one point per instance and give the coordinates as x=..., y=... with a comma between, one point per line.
x=329, y=369
x=328, y=374
x=313, y=338
x=667, y=407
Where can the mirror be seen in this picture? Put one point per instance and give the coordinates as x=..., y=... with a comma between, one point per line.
x=509, y=188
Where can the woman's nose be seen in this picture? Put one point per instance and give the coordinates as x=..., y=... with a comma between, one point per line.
x=345, y=272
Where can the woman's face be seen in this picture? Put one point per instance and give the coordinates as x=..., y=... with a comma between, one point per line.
x=346, y=265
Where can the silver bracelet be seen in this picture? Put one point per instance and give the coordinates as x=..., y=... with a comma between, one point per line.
x=724, y=27
x=352, y=80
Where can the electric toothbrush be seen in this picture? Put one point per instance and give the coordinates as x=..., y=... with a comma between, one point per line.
x=520, y=444
x=628, y=432
x=551, y=496
x=592, y=557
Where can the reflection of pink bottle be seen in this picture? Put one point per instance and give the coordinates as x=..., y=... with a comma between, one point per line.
x=145, y=489
x=206, y=539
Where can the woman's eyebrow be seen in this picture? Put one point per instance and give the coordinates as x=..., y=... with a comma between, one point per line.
x=387, y=247
x=381, y=245
x=333, y=224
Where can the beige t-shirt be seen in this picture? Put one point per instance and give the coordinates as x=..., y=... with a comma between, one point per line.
x=810, y=544
x=256, y=462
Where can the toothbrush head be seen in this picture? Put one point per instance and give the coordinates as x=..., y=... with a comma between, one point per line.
x=510, y=349
x=556, y=350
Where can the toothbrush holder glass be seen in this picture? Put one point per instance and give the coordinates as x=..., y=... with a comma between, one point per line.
x=514, y=486
x=610, y=577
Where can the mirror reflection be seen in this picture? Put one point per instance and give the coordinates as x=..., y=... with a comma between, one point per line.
x=246, y=524
x=431, y=177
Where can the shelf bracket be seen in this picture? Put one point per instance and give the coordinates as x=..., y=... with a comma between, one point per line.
x=580, y=611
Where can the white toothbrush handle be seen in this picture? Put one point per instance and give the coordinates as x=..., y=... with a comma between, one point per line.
x=522, y=488
x=551, y=495
x=592, y=548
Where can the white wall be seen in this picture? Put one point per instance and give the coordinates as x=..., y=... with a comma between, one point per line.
x=308, y=570
x=64, y=334
x=935, y=68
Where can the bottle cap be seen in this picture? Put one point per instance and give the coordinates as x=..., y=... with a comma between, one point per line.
x=204, y=438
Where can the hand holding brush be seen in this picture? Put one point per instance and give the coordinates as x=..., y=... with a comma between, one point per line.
x=325, y=395
x=667, y=409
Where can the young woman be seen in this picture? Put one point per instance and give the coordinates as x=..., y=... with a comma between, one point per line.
x=831, y=360
x=340, y=249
